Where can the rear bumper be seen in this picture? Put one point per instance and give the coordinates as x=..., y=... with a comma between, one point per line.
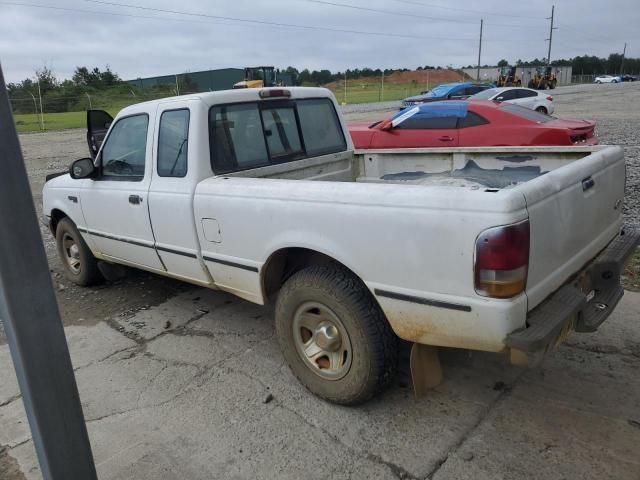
x=581, y=305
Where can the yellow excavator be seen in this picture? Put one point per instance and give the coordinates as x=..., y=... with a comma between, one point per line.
x=258, y=77
x=543, y=79
x=508, y=77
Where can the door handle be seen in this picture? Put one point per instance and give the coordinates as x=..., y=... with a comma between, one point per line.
x=588, y=183
x=446, y=138
x=135, y=199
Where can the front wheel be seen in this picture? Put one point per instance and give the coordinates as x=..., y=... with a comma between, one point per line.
x=334, y=335
x=79, y=264
x=541, y=110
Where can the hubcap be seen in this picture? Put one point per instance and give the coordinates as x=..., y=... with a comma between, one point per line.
x=72, y=253
x=322, y=341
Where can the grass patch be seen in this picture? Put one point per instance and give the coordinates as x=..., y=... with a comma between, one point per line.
x=30, y=122
x=360, y=92
x=631, y=276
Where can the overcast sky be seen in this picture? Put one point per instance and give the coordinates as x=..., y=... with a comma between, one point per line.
x=403, y=33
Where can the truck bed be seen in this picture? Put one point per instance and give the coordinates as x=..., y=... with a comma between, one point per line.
x=489, y=168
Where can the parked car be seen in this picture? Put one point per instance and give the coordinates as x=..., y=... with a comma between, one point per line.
x=478, y=123
x=258, y=192
x=607, y=79
x=526, y=97
x=447, y=91
x=628, y=78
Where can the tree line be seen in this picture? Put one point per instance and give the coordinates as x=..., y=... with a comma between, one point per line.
x=582, y=65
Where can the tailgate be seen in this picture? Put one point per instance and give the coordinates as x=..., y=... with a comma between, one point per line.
x=574, y=212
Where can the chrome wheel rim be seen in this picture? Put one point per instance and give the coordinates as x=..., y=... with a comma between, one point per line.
x=322, y=341
x=71, y=253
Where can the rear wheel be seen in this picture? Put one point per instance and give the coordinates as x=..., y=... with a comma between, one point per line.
x=79, y=264
x=531, y=84
x=541, y=110
x=598, y=81
x=334, y=335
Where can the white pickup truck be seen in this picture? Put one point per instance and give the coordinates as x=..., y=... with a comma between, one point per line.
x=259, y=192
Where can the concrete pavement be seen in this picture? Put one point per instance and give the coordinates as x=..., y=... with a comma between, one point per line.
x=181, y=391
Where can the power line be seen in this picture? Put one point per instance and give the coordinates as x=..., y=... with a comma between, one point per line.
x=277, y=24
x=479, y=12
x=410, y=15
x=101, y=12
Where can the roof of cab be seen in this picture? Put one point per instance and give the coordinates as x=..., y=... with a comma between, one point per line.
x=237, y=95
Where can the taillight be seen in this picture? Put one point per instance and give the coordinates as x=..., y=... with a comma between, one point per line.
x=550, y=98
x=579, y=138
x=502, y=260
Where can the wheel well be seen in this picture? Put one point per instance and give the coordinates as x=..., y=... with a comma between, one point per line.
x=283, y=263
x=56, y=216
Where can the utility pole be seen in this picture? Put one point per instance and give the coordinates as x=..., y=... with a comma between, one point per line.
x=382, y=87
x=479, y=51
x=622, y=63
x=550, y=39
x=41, y=113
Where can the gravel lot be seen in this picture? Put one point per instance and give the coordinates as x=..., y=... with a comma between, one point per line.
x=187, y=401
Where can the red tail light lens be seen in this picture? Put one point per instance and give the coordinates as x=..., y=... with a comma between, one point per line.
x=502, y=260
x=550, y=98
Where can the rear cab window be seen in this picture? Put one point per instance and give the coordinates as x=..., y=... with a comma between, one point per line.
x=257, y=134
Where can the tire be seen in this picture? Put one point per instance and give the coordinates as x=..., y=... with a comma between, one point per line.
x=552, y=85
x=531, y=84
x=79, y=264
x=541, y=110
x=598, y=82
x=327, y=311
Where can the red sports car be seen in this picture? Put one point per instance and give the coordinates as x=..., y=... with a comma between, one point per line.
x=471, y=124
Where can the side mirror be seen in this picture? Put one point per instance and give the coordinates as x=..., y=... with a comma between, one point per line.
x=83, y=168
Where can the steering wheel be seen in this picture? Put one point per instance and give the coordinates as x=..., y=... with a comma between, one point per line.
x=119, y=167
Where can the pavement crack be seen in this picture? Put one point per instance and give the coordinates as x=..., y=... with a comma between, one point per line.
x=504, y=393
x=397, y=470
x=10, y=400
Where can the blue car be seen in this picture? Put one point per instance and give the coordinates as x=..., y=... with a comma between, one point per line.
x=447, y=91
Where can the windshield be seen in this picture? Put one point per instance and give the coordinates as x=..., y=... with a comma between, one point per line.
x=523, y=112
x=485, y=94
x=439, y=91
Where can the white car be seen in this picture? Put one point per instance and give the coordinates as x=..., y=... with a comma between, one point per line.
x=258, y=192
x=607, y=79
x=525, y=97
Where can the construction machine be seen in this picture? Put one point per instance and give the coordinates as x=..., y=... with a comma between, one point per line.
x=508, y=77
x=258, y=77
x=543, y=79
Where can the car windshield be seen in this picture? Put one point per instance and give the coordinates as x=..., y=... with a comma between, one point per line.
x=439, y=91
x=485, y=94
x=523, y=112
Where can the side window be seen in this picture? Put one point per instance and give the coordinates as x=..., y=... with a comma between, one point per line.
x=429, y=123
x=281, y=132
x=173, y=137
x=123, y=154
x=472, y=120
x=522, y=93
x=320, y=127
x=507, y=95
x=236, y=138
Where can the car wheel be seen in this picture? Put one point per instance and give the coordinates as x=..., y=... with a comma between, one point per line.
x=79, y=264
x=598, y=82
x=541, y=110
x=334, y=336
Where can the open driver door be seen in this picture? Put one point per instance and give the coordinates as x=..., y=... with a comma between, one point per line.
x=98, y=123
